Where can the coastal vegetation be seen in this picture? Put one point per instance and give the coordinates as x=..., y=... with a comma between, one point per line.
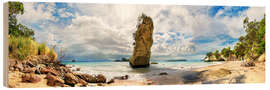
x=33, y=64
x=22, y=44
x=250, y=46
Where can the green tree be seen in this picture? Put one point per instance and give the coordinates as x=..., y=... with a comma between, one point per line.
x=217, y=55
x=226, y=52
x=209, y=54
x=16, y=29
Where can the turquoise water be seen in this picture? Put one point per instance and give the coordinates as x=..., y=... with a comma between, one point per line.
x=111, y=69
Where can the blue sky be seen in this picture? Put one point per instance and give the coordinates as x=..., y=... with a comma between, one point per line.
x=104, y=31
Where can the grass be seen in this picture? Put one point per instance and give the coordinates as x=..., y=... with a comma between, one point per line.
x=23, y=47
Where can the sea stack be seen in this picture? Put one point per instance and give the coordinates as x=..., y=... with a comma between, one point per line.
x=143, y=43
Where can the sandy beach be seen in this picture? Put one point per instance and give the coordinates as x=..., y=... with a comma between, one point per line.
x=229, y=72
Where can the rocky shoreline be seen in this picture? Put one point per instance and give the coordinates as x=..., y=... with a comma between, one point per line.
x=40, y=72
x=40, y=69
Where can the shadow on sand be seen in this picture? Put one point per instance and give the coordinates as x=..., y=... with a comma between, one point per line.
x=182, y=76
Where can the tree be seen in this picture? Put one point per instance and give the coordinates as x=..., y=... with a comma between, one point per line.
x=16, y=29
x=217, y=55
x=251, y=45
x=226, y=52
x=209, y=54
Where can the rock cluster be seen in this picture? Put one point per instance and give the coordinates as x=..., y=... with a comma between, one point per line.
x=248, y=64
x=57, y=74
x=143, y=43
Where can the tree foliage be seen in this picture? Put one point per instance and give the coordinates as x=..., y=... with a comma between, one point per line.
x=251, y=45
x=16, y=29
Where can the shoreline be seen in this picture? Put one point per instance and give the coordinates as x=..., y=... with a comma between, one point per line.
x=228, y=72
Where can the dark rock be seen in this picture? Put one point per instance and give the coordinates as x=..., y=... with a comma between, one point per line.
x=29, y=63
x=163, y=73
x=73, y=60
x=54, y=80
x=70, y=79
x=78, y=69
x=88, y=78
x=248, y=64
x=101, y=78
x=30, y=78
x=122, y=77
x=111, y=81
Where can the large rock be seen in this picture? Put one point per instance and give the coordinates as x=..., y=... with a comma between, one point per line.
x=70, y=79
x=45, y=70
x=54, y=80
x=30, y=78
x=143, y=43
x=92, y=79
x=101, y=78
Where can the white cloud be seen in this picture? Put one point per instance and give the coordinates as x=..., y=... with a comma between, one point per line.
x=104, y=31
x=32, y=15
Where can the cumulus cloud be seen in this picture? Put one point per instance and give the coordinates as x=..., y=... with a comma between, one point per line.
x=104, y=31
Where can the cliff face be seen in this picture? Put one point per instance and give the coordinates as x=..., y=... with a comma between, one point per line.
x=143, y=43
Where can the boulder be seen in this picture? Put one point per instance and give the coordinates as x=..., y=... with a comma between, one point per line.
x=82, y=82
x=101, y=78
x=54, y=80
x=78, y=69
x=111, y=81
x=70, y=79
x=163, y=73
x=30, y=78
x=143, y=43
x=45, y=70
x=29, y=63
x=62, y=69
x=86, y=77
x=122, y=77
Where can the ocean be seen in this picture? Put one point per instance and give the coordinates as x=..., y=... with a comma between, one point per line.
x=112, y=69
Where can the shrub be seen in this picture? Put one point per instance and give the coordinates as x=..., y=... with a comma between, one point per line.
x=22, y=47
x=43, y=49
x=52, y=55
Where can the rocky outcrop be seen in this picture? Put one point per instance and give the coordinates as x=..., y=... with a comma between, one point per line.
x=57, y=74
x=213, y=59
x=143, y=43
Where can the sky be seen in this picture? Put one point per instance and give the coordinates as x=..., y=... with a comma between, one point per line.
x=88, y=31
